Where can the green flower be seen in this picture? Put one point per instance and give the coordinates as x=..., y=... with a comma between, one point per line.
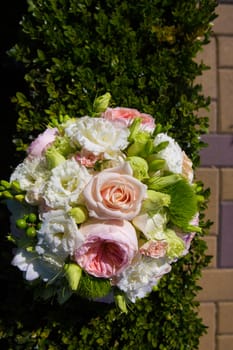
x=139, y=166
x=176, y=245
x=154, y=202
x=53, y=157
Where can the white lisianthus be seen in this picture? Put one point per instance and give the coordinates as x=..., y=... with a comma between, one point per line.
x=34, y=266
x=172, y=154
x=65, y=185
x=139, y=278
x=32, y=175
x=98, y=135
x=58, y=234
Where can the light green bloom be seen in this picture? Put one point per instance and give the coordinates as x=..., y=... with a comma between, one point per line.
x=53, y=158
x=155, y=201
x=176, y=245
x=139, y=166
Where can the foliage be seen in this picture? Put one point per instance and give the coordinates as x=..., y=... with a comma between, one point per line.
x=144, y=54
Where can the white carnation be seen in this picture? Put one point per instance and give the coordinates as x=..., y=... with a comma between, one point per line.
x=65, y=185
x=32, y=175
x=139, y=279
x=98, y=135
x=58, y=233
x=172, y=154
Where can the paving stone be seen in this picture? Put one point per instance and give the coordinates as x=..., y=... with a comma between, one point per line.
x=207, y=312
x=211, y=242
x=226, y=186
x=225, y=100
x=217, y=285
x=225, y=51
x=208, y=79
x=225, y=342
x=226, y=236
x=219, y=151
x=224, y=22
x=212, y=115
x=210, y=179
x=225, y=318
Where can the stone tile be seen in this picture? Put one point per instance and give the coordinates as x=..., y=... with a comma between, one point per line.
x=223, y=24
x=208, y=79
x=226, y=184
x=219, y=151
x=225, y=342
x=225, y=50
x=217, y=285
x=211, y=242
x=225, y=317
x=210, y=179
x=211, y=114
x=207, y=313
x=225, y=100
x=226, y=236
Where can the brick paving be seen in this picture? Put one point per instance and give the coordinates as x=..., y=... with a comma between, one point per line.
x=216, y=171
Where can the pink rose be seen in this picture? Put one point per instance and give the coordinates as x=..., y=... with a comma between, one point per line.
x=42, y=141
x=154, y=249
x=125, y=117
x=108, y=248
x=114, y=194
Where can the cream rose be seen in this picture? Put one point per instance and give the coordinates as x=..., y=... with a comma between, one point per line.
x=108, y=248
x=114, y=194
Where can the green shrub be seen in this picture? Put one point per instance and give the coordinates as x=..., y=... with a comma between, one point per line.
x=143, y=53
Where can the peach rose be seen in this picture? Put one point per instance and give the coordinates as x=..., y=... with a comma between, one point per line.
x=125, y=116
x=109, y=247
x=114, y=194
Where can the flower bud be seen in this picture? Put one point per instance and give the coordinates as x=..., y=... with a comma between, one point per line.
x=73, y=273
x=79, y=214
x=15, y=186
x=5, y=184
x=54, y=158
x=6, y=195
x=120, y=302
x=19, y=197
x=101, y=103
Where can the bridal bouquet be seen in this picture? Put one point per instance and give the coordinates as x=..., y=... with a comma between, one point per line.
x=101, y=206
